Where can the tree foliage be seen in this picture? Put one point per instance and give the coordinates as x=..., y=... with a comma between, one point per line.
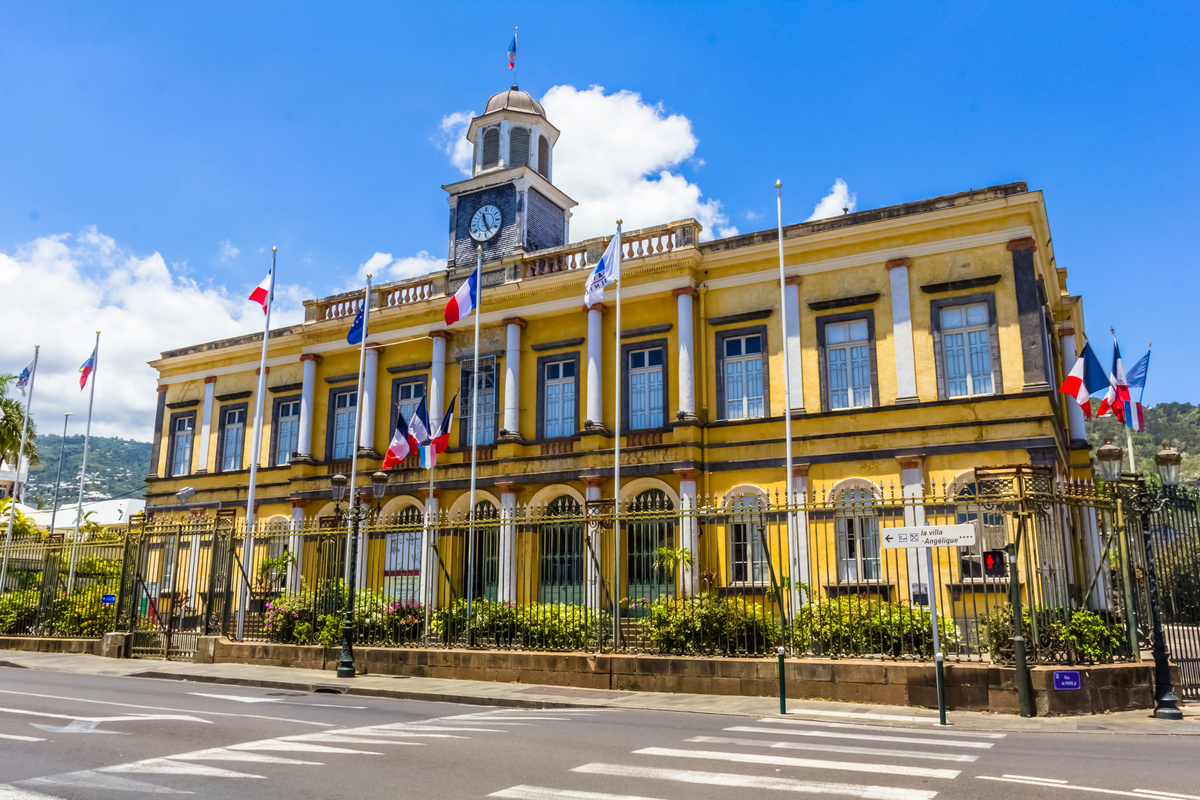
x=14, y=419
x=1178, y=423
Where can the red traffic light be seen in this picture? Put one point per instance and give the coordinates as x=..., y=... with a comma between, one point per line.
x=995, y=563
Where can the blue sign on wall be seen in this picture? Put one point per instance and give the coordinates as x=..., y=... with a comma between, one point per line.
x=108, y=599
x=1067, y=680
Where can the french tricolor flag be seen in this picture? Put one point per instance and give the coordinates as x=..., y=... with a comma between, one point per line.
x=1085, y=379
x=418, y=429
x=399, y=448
x=262, y=294
x=1117, y=399
x=512, y=53
x=465, y=299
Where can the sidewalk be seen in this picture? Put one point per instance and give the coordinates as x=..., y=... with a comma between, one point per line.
x=537, y=696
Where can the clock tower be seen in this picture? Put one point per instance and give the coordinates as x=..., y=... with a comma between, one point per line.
x=509, y=204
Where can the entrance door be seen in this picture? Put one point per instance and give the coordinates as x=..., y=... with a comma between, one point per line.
x=650, y=551
x=560, y=568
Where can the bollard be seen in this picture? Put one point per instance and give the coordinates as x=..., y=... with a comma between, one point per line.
x=782, y=686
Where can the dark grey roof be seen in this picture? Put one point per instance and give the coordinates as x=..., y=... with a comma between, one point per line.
x=514, y=100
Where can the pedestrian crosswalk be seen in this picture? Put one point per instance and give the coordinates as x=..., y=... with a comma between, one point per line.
x=781, y=754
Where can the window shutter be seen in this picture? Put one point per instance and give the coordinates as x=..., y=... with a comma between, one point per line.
x=491, y=147
x=518, y=147
x=543, y=166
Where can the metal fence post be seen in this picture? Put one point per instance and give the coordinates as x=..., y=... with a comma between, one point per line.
x=1014, y=588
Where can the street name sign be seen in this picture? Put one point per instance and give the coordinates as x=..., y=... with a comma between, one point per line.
x=927, y=536
x=108, y=599
x=1067, y=680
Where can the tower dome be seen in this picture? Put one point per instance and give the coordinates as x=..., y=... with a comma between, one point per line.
x=512, y=132
x=514, y=100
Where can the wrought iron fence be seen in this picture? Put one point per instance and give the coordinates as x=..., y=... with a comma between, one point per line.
x=737, y=575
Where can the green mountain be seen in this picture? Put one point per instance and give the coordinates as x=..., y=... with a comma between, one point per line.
x=116, y=468
x=1178, y=423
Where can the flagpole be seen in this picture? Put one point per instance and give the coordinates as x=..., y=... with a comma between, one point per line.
x=1128, y=430
x=358, y=406
x=515, y=69
x=617, y=456
x=12, y=507
x=787, y=404
x=87, y=436
x=474, y=433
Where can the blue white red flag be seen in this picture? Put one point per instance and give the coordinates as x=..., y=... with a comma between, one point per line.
x=24, y=377
x=441, y=439
x=1134, y=414
x=608, y=268
x=262, y=293
x=399, y=448
x=465, y=299
x=86, y=370
x=1085, y=379
x=512, y=53
x=418, y=429
x=1117, y=399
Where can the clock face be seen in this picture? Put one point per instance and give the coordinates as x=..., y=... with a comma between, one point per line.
x=486, y=223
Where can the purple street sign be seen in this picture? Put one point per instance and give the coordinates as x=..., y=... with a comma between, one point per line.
x=1067, y=680
x=108, y=599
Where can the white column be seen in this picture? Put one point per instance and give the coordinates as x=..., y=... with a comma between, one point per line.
x=1075, y=424
x=206, y=423
x=687, y=365
x=512, y=376
x=366, y=432
x=194, y=566
x=296, y=546
x=791, y=300
x=798, y=537
x=591, y=573
x=912, y=482
x=1093, y=549
x=902, y=337
x=689, y=533
x=429, y=563
x=506, y=591
x=437, y=376
x=307, y=391
x=595, y=349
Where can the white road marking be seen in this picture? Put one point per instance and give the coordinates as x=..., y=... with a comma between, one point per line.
x=757, y=782
x=1053, y=783
x=277, y=700
x=860, y=737
x=399, y=726
x=39, y=739
x=225, y=754
x=834, y=748
x=1030, y=778
x=810, y=763
x=865, y=727
x=165, y=766
x=542, y=793
x=408, y=734
x=294, y=745
x=9, y=792
x=860, y=715
x=161, y=708
x=77, y=726
x=334, y=738
x=125, y=718
x=93, y=780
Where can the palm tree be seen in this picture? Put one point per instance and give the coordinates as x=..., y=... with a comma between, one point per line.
x=12, y=422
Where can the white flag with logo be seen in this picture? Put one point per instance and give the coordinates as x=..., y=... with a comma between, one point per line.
x=23, y=378
x=606, y=271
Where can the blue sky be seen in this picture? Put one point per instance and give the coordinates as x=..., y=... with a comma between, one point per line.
x=205, y=133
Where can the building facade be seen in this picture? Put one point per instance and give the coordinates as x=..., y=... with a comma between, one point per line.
x=924, y=340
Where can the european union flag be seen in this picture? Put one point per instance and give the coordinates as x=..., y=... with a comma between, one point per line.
x=356, y=330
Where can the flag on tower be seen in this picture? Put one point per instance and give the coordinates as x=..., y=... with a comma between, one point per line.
x=464, y=300
x=1085, y=379
x=86, y=369
x=262, y=294
x=512, y=52
x=606, y=271
x=418, y=429
x=399, y=448
x=24, y=377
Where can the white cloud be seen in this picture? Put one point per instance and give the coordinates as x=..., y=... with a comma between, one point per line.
x=228, y=252
x=384, y=268
x=66, y=288
x=452, y=139
x=617, y=157
x=831, y=205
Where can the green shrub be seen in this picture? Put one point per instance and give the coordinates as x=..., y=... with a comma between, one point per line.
x=81, y=613
x=843, y=626
x=18, y=611
x=709, y=624
x=540, y=626
x=294, y=619
x=1087, y=636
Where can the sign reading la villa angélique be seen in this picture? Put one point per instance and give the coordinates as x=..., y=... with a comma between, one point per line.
x=927, y=536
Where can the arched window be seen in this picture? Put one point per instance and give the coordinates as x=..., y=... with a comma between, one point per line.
x=491, y=147
x=518, y=147
x=650, y=546
x=747, y=553
x=560, y=570
x=990, y=530
x=543, y=166
x=857, y=519
x=402, y=556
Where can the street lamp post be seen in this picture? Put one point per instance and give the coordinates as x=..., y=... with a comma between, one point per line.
x=1145, y=501
x=358, y=514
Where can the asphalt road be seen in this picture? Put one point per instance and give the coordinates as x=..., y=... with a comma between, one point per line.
x=75, y=736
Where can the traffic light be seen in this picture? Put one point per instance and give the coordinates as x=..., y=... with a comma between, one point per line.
x=995, y=563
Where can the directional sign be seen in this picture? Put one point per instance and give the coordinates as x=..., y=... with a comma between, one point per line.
x=928, y=536
x=108, y=599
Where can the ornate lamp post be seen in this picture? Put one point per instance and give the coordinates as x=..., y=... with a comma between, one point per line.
x=1145, y=501
x=358, y=514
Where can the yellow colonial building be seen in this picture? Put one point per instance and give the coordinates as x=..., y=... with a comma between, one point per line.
x=924, y=340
